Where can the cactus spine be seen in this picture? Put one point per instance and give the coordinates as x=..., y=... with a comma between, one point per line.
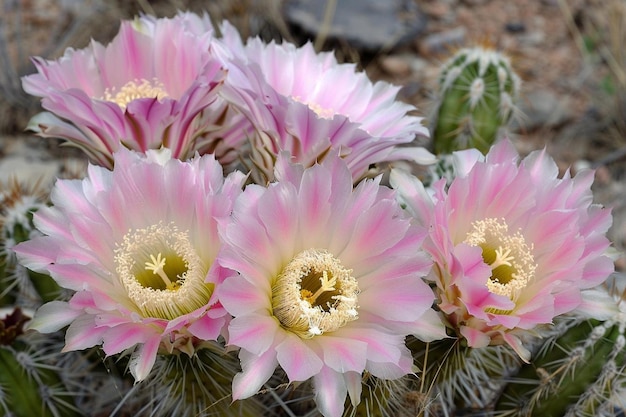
x=196, y=385
x=477, y=89
x=18, y=285
x=457, y=379
x=381, y=398
x=30, y=384
x=580, y=373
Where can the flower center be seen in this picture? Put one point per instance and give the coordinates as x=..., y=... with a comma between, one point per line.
x=322, y=112
x=161, y=272
x=509, y=256
x=134, y=90
x=315, y=294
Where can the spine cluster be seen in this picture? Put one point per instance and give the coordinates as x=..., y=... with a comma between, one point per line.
x=477, y=92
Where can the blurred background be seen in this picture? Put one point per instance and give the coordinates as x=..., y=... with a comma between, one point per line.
x=568, y=53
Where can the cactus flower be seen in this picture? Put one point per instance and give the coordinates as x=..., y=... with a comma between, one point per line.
x=308, y=104
x=142, y=91
x=137, y=246
x=513, y=244
x=328, y=283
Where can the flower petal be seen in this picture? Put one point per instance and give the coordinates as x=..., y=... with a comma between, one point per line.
x=297, y=359
x=254, y=333
x=330, y=392
x=53, y=316
x=344, y=355
x=143, y=358
x=256, y=371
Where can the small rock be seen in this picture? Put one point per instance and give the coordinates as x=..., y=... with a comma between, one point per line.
x=417, y=64
x=515, y=27
x=395, y=65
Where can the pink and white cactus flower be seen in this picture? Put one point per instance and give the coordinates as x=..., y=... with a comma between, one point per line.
x=328, y=282
x=137, y=246
x=514, y=245
x=308, y=104
x=144, y=90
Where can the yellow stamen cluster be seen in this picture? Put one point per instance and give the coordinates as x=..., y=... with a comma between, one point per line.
x=134, y=90
x=322, y=112
x=315, y=294
x=509, y=256
x=161, y=272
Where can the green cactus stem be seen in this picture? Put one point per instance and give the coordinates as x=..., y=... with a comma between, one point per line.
x=577, y=374
x=31, y=387
x=189, y=386
x=381, y=398
x=477, y=91
x=455, y=379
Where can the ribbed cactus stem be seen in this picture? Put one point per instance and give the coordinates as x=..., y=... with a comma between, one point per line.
x=195, y=385
x=576, y=375
x=477, y=91
x=459, y=379
x=29, y=388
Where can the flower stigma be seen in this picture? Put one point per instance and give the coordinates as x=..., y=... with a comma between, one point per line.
x=315, y=294
x=134, y=90
x=508, y=255
x=161, y=272
x=156, y=266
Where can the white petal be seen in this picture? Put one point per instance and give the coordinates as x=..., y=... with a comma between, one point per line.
x=53, y=316
x=256, y=371
x=597, y=304
x=330, y=392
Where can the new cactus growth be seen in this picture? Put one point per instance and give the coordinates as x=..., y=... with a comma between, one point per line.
x=477, y=91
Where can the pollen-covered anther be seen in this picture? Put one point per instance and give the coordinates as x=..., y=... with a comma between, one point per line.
x=508, y=255
x=321, y=111
x=134, y=90
x=161, y=271
x=314, y=294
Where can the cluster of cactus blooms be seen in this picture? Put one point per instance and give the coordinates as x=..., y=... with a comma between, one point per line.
x=233, y=248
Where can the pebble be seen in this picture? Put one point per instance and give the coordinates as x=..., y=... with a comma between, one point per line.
x=396, y=65
x=515, y=27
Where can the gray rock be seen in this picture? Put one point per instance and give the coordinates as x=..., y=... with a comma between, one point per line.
x=365, y=24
